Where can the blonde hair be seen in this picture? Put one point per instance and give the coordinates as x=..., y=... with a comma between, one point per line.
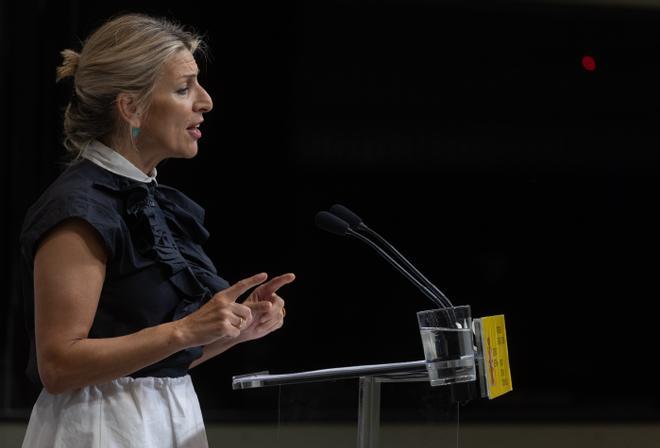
x=124, y=55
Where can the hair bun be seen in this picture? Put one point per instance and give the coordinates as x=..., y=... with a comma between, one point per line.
x=69, y=64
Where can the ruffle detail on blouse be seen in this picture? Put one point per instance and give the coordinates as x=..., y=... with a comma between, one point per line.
x=152, y=216
x=151, y=237
x=184, y=217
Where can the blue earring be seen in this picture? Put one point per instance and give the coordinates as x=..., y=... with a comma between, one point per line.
x=135, y=132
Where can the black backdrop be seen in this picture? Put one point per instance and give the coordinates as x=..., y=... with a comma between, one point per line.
x=470, y=136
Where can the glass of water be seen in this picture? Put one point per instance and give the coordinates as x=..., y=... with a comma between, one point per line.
x=447, y=338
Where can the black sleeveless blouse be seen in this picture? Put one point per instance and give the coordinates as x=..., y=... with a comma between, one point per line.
x=156, y=271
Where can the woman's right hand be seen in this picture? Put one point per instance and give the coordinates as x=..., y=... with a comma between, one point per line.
x=221, y=317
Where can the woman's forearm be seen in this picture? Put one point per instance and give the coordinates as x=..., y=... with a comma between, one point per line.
x=86, y=361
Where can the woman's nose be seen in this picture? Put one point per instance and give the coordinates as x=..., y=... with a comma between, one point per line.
x=204, y=102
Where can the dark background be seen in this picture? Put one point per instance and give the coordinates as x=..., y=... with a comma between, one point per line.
x=467, y=134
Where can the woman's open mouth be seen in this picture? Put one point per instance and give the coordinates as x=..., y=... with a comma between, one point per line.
x=194, y=132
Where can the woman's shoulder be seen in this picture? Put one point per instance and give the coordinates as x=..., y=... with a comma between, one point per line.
x=84, y=190
x=81, y=184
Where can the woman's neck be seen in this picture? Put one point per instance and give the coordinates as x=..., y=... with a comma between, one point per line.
x=141, y=159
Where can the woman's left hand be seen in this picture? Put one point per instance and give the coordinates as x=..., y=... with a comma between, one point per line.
x=267, y=308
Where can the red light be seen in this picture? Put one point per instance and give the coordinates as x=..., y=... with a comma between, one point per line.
x=588, y=63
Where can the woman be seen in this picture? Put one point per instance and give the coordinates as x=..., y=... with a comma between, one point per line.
x=124, y=298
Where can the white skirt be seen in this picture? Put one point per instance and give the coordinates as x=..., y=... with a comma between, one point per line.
x=128, y=412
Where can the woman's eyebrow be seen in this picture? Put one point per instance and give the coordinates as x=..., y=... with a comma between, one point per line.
x=189, y=76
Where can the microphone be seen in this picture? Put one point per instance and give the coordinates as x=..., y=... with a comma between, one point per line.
x=341, y=221
x=333, y=224
x=355, y=222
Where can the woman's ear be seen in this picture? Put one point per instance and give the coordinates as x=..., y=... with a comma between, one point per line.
x=128, y=109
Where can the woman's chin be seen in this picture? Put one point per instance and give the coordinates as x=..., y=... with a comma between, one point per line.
x=192, y=152
x=188, y=153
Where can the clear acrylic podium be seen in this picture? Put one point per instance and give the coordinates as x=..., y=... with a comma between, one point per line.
x=493, y=377
x=371, y=376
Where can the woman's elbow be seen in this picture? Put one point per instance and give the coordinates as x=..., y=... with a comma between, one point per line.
x=54, y=377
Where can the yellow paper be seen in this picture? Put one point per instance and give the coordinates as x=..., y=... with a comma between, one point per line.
x=496, y=356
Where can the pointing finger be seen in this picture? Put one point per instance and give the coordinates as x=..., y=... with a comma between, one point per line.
x=274, y=284
x=238, y=288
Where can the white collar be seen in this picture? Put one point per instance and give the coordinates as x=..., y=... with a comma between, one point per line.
x=109, y=159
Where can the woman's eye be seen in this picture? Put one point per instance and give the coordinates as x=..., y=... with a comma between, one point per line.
x=182, y=91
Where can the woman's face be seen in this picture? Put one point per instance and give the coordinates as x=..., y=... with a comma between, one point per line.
x=171, y=125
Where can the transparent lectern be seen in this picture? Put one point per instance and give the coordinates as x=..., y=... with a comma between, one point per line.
x=371, y=376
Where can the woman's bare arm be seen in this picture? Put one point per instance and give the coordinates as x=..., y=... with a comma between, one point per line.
x=69, y=271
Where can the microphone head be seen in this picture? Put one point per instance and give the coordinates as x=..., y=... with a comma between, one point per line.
x=342, y=212
x=330, y=223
